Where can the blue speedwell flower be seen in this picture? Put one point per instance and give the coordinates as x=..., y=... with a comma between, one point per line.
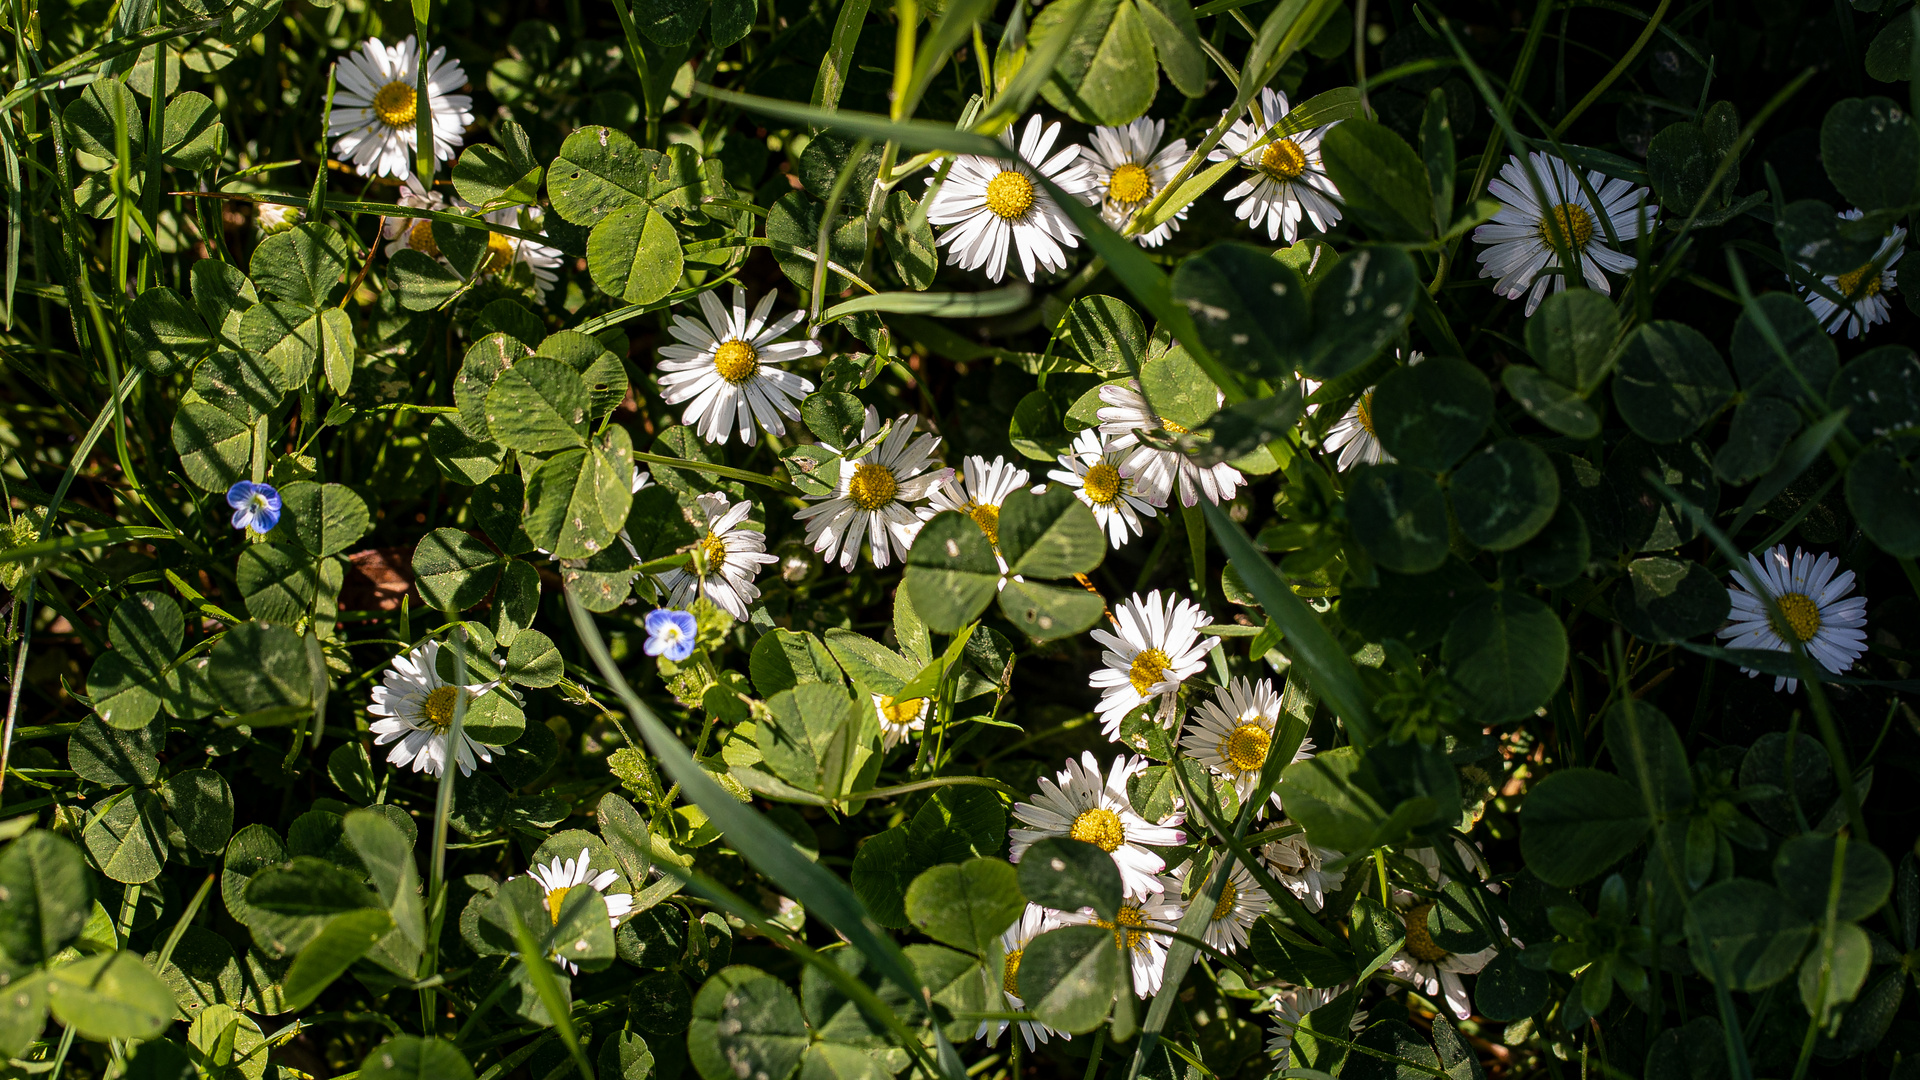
x=670, y=634
x=255, y=506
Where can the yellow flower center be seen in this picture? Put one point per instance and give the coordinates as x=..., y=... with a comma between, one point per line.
x=988, y=518
x=1129, y=184
x=713, y=552
x=1420, y=944
x=1170, y=426
x=1100, y=827
x=1567, y=225
x=420, y=238
x=1146, y=669
x=1283, y=160
x=901, y=712
x=1803, y=616
x=1124, y=927
x=1103, y=484
x=1858, y=285
x=1010, y=195
x=439, y=708
x=499, y=253
x=554, y=899
x=394, y=104
x=872, y=486
x=1224, y=908
x=1363, y=411
x=736, y=361
x=1246, y=748
x=1010, y=974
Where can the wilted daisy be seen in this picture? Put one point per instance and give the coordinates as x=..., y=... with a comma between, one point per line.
x=729, y=367
x=977, y=492
x=1298, y=865
x=543, y=261
x=375, y=105
x=1034, y=921
x=875, y=495
x=416, y=708
x=1158, y=647
x=1103, y=480
x=1425, y=963
x=900, y=718
x=1082, y=804
x=1289, y=182
x=1242, y=902
x=730, y=554
x=271, y=218
x=1133, y=929
x=1231, y=734
x=1523, y=236
x=1128, y=173
x=1864, y=288
x=1810, y=600
x=1290, y=1007
x=996, y=206
x=412, y=232
x=1155, y=471
x=563, y=877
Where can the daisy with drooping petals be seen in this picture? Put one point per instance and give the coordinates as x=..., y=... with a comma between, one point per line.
x=875, y=495
x=1123, y=416
x=1864, y=288
x=505, y=253
x=1104, y=481
x=1084, y=805
x=375, y=106
x=1129, y=167
x=996, y=206
x=1033, y=922
x=977, y=492
x=730, y=557
x=1810, y=599
x=563, y=877
x=1429, y=966
x=1134, y=927
x=1231, y=734
x=1526, y=240
x=900, y=719
x=416, y=709
x=1297, y=865
x=728, y=367
x=1158, y=647
x=1242, y=902
x=1289, y=182
x=1290, y=1008
x=412, y=232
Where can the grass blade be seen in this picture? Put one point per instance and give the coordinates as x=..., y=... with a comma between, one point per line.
x=544, y=984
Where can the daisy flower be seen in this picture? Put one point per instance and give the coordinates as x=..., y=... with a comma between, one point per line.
x=1128, y=173
x=992, y=207
x=255, y=506
x=543, y=261
x=1298, y=865
x=563, y=877
x=1232, y=734
x=1352, y=435
x=1104, y=481
x=1124, y=415
x=1082, y=804
x=1158, y=647
x=977, y=491
x=416, y=709
x=1033, y=922
x=1242, y=902
x=874, y=495
x=1864, y=288
x=1521, y=239
x=729, y=367
x=1133, y=929
x=1290, y=183
x=1809, y=596
x=731, y=554
x=411, y=232
x=900, y=719
x=376, y=102
x=1290, y=1008
x=1424, y=962
x=271, y=218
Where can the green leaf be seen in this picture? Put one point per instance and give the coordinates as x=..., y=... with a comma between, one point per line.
x=596, y=364
x=507, y=174
x=1416, y=609
x=782, y=660
x=387, y=854
x=578, y=499
x=1810, y=233
x=1106, y=334
x=90, y=120
x=337, y=349
x=325, y=519
x=146, y=629
x=1744, y=931
x=1049, y=612
x=1506, y=652
x=278, y=582
x=1399, y=516
x=1883, y=491
x=454, y=571
x=1067, y=875
x=1665, y=600
x=243, y=384
x=1549, y=402
x=801, y=736
x=1880, y=389
x=1382, y=182
x=49, y=894
x=351, y=770
x=1349, y=802
x=304, y=265
x=164, y=335
x=1840, y=961
x=1647, y=751
x=1578, y=822
x=1671, y=381
x=1571, y=337
x=1396, y=1041
x=410, y=1057
x=346, y=938
x=1649, y=520
x=1362, y=305
x=1505, y=494
x=538, y=405
x=533, y=660
x=1106, y=73
x=1049, y=535
x=200, y=804
x=1508, y=991
x=599, y=170
x=420, y=281
x=1804, y=868
x=257, y=667
x=1810, y=362
x=308, y=885
x=195, y=139
x=1429, y=414
x=1068, y=977
x=115, y=756
x=287, y=334
x=214, y=448
x=128, y=838
x=746, y=1020
x=1249, y=307
x=1871, y=150
x=951, y=573
x=634, y=255
x=110, y=996
x=966, y=905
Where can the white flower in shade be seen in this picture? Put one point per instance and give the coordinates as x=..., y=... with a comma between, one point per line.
x=376, y=102
x=1242, y=902
x=1158, y=647
x=416, y=708
x=1155, y=471
x=1289, y=182
x=1523, y=236
x=1231, y=734
x=1084, y=805
x=1352, y=435
x=732, y=555
x=1425, y=963
x=977, y=492
x=996, y=206
x=543, y=261
x=1134, y=929
x=728, y=366
x=1129, y=168
x=271, y=218
x=1864, y=288
x=1298, y=865
x=411, y=232
x=1290, y=1007
x=900, y=719
x=1810, y=598
x=876, y=494
x=1104, y=481
x=1033, y=922
x=563, y=877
